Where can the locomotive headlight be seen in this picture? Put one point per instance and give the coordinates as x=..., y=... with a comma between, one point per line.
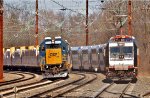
x=60, y=66
x=46, y=66
x=130, y=55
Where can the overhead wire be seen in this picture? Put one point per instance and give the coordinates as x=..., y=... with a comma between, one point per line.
x=47, y=20
x=65, y=8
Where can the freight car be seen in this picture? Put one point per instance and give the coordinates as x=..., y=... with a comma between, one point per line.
x=21, y=58
x=121, y=58
x=55, y=58
x=28, y=58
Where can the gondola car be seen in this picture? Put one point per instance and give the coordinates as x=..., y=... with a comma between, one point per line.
x=121, y=58
x=55, y=58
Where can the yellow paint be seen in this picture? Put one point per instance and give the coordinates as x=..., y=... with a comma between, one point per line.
x=31, y=47
x=53, y=56
x=12, y=50
x=23, y=48
x=37, y=48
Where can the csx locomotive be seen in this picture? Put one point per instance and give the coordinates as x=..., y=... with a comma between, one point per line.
x=55, y=58
x=121, y=58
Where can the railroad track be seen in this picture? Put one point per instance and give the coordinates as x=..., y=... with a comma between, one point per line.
x=23, y=87
x=87, y=90
x=10, y=84
x=125, y=90
x=23, y=78
x=60, y=88
x=9, y=92
x=115, y=90
x=63, y=89
x=33, y=89
x=146, y=94
x=14, y=80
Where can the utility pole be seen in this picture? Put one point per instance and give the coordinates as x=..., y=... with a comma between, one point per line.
x=129, y=18
x=1, y=40
x=36, y=28
x=86, y=27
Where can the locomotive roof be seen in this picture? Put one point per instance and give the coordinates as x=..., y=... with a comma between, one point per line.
x=56, y=39
x=126, y=38
x=60, y=39
x=122, y=38
x=87, y=47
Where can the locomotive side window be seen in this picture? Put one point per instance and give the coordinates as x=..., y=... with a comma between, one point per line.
x=64, y=48
x=42, y=48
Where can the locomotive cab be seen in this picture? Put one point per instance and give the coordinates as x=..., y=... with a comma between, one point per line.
x=54, y=62
x=121, y=58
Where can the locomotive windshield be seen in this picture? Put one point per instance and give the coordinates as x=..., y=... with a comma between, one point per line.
x=53, y=46
x=121, y=50
x=127, y=50
x=115, y=50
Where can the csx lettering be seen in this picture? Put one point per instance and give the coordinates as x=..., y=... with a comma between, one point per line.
x=53, y=54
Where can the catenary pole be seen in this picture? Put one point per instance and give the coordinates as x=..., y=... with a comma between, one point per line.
x=36, y=28
x=1, y=40
x=86, y=27
x=129, y=17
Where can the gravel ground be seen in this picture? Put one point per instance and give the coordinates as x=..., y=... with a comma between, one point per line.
x=90, y=89
x=137, y=89
x=114, y=91
x=88, y=77
x=142, y=86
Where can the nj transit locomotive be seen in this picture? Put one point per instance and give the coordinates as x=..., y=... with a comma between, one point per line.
x=121, y=57
x=55, y=57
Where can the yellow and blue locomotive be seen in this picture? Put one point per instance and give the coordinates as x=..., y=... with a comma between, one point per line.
x=55, y=58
